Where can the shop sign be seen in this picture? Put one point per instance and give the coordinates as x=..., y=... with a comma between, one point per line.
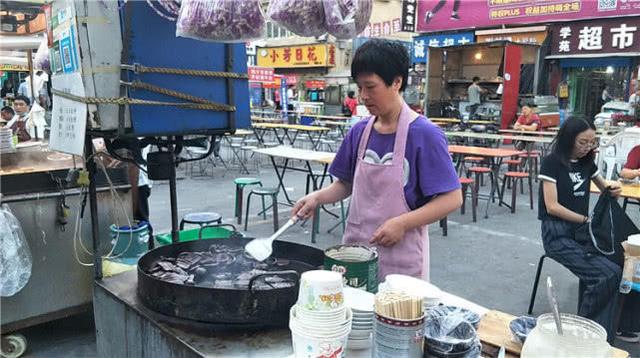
x=314, y=84
x=379, y=29
x=14, y=67
x=523, y=35
x=409, y=15
x=260, y=74
x=602, y=37
x=317, y=55
x=292, y=80
x=431, y=16
x=421, y=43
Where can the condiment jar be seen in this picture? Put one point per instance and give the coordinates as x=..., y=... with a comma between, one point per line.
x=582, y=338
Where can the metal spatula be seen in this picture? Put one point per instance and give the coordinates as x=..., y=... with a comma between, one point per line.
x=262, y=248
x=551, y=295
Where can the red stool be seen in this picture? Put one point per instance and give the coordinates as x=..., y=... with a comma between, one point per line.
x=479, y=171
x=475, y=161
x=516, y=177
x=513, y=165
x=466, y=182
x=531, y=162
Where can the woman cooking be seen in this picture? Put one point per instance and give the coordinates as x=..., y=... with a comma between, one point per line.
x=395, y=166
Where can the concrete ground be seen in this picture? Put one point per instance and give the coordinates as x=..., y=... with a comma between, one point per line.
x=491, y=262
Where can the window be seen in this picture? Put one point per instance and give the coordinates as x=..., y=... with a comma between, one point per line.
x=269, y=29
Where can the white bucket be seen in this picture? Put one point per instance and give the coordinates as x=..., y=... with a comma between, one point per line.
x=305, y=346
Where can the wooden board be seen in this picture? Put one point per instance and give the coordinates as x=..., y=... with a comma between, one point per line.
x=494, y=330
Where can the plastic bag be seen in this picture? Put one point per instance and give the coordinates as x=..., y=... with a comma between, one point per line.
x=15, y=256
x=220, y=20
x=345, y=19
x=453, y=311
x=451, y=336
x=42, y=56
x=302, y=17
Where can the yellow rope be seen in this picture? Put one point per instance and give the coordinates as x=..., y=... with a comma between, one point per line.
x=122, y=101
x=172, y=93
x=178, y=71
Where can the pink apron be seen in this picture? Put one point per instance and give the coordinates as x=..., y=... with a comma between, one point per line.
x=378, y=195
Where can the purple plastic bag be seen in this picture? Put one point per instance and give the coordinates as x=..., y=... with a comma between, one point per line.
x=220, y=20
x=302, y=17
x=345, y=19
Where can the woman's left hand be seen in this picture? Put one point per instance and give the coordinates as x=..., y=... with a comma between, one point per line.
x=389, y=234
x=614, y=188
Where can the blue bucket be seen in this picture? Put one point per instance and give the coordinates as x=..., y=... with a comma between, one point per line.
x=138, y=235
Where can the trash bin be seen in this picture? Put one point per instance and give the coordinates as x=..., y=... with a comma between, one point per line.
x=130, y=242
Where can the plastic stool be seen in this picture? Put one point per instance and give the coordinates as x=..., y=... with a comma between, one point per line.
x=240, y=184
x=534, y=290
x=515, y=177
x=479, y=172
x=262, y=192
x=201, y=219
x=466, y=182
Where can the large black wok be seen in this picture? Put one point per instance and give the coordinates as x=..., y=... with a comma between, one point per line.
x=255, y=305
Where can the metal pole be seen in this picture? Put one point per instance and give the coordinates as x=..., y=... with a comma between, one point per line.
x=93, y=207
x=172, y=193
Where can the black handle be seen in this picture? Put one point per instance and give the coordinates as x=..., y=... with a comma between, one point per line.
x=233, y=231
x=273, y=273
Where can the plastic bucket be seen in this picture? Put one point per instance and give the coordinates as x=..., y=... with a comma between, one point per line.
x=130, y=242
x=211, y=232
x=358, y=265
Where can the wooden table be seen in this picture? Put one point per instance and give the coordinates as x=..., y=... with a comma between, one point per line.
x=455, y=120
x=261, y=128
x=342, y=126
x=266, y=120
x=496, y=156
x=305, y=155
x=533, y=133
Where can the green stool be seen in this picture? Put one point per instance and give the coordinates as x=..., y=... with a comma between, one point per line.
x=240, y=184
x=262, y=192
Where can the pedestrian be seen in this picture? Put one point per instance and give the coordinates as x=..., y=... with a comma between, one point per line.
x=474, y=93
x=20, y=122
x=566, y=175
x=606, y=95
x=350, y=104
x=276, y=99
x=7, y=113
x=395, y=165
x=528, y=120
x=7, y=89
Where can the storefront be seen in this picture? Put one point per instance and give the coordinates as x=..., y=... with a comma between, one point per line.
x=593, y=56
x=300, y=65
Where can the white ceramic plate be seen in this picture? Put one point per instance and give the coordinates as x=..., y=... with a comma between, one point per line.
x=359, y=300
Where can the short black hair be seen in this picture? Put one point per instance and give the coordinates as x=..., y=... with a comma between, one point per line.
x=22, y=98
x=565, y=140
x=476, y=79
x=387, y=59
x=351, y=94
x=8, y=109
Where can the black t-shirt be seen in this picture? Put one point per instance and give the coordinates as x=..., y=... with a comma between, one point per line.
x=572, y=184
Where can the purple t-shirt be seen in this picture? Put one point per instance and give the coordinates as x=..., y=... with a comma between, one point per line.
x=428, y=167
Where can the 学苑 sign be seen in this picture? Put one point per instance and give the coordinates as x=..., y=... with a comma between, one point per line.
x=421, y=43
x=317, y=55
x=606, y=36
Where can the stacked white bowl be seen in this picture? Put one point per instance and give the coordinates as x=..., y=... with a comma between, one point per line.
x=361, y=303
x=431, y=295
x=6, y=140
x=320, y=322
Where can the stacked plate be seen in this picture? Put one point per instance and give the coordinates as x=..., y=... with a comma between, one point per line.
x=431, y=295
x=6, y=140
x=361, y=303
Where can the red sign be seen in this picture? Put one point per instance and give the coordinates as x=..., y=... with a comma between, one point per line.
x=260, y=74
x=292, y=80
x=314, y=84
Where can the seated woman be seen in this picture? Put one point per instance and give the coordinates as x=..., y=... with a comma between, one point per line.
x=566, y=176
x=528, y=120
x=631, y=168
